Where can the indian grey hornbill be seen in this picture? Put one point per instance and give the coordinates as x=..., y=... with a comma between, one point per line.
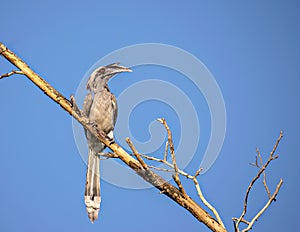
x=100, y=106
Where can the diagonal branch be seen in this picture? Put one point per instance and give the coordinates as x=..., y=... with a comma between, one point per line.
x=205, y=202
x=149, y=176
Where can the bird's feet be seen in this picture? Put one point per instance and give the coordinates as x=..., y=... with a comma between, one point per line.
x=102, y=134
x=106, y=137
x=74, y=105
x=107, y=155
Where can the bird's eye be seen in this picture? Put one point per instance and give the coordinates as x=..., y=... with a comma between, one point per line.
x=102, y=70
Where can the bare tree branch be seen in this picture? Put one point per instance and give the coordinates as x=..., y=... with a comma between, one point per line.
x=193, y=178
x=135, y=152
x=138, y=165
x=161, y=169
x=70, y=106
x=266, y=185
x=11, y=73
x=171, y=146
x=205, y=202
x=272, y=198
x=264, y=172
x=262, y=167
x=166, y=150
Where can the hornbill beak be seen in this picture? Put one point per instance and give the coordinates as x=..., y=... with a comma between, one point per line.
x=116, y=68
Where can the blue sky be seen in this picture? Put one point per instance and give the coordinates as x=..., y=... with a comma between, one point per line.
x=251, y=48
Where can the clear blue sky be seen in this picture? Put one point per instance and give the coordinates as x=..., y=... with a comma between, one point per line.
x=251, y=48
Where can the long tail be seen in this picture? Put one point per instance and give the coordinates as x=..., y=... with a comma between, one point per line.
x=92, y=197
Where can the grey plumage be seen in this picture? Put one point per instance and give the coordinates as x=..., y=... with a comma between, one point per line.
x=100, y=106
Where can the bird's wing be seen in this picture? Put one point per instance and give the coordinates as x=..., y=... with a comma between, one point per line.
x=87, y=104
x=88, y=100
x=115, y=108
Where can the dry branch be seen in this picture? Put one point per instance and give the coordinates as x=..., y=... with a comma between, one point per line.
x=262, y=167
x=272, y=198
x=193, y=178
x=136, y=154
x=171, y=146
x=10, y=74
x=149, y=176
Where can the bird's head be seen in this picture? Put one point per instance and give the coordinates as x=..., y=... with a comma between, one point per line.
x=99, y=78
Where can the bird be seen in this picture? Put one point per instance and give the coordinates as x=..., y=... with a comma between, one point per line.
x=100, y=106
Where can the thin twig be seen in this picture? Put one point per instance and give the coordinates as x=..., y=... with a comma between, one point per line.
x=170, y=142
x=205, y=202
x=260, y=165
x=171, y=146
x=276, y=144
x=166, y=150
x=135, y=152
x=156, y=159
x=181, y=172
x=160, y=169
x=266, y=185
x=272, y=198
x=11, y=73
x=198, y=172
